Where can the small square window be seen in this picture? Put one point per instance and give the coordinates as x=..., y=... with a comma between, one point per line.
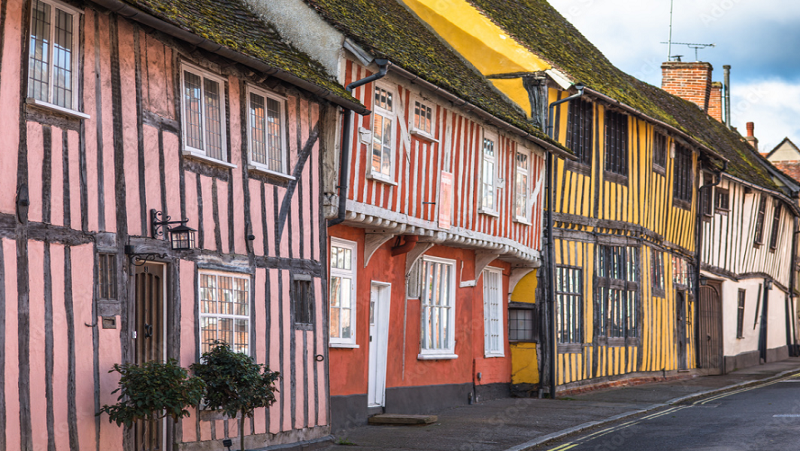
x=265, y=131
x=204, y=125
x=523, y=324
x=423, y=118
x=722, y=201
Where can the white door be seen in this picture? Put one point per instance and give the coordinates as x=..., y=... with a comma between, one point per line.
x=379, y=299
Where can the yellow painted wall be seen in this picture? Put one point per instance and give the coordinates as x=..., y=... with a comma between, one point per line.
x=482, y=43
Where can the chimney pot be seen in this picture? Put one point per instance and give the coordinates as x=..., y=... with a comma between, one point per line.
x=751, y=127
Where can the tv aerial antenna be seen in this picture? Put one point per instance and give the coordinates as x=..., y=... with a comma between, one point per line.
x=694, y=46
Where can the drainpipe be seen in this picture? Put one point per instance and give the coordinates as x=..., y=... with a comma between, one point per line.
x=727, y=71
x=551, y=255
x=344, y=163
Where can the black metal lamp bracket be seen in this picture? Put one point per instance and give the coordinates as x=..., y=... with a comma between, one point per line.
x=159, y=222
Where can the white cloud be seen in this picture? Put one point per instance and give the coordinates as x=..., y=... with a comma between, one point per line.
x=774, y=106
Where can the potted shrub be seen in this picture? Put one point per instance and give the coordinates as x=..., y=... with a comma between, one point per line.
x=151, y=391
x=235, y=384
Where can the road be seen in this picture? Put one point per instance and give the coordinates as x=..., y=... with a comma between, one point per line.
x=763, y=417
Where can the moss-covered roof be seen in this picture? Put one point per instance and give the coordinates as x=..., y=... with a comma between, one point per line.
x=545, y=32
x=386, y=29
x=232, y=24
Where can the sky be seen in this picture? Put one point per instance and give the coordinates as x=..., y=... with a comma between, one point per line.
x=760, y=39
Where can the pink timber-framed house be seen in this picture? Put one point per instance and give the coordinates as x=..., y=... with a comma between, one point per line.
x=194, y=109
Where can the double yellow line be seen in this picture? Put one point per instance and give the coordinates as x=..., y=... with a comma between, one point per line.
x=668, y=411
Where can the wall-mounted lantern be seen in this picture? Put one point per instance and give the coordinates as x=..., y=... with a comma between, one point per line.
x=181, y=237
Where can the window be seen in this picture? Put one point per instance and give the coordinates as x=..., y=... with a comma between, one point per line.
x=523, y=323
x=302, y=302
x=616, y=146
x=657, y=273
x=740, y=315
x=617, y=303
x=342, y=292
x=488, y=176
x=569, y=304
x=493, y=313
x=203, y=118
x=423, y=118
x=722, y=201
x=522, y=188
x=682, y=176
x=438, y=312
x=383, y=135
x=776, y=223
x=107, y=276
x=224, y=311
x=706, y=196
x=660, y=152
x=762, y=209
x=53, y=56
x=266, y=131
x=579, y=130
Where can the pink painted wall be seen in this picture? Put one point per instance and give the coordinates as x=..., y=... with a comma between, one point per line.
x=79, y=195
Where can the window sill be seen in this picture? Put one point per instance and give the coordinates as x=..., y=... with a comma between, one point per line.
x=269, y=173
x=523, y=221
x=494, y=356
x=344, y=345
x=721, y=211
x=381, y=179
x=424, y=136
x=206, y=159
x=437, y=356
x=489, y=213
x=659, y=170
x=49, y=106
x=570, y=348
x=680, y=203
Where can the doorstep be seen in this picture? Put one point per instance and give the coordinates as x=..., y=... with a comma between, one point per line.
x=402, y=420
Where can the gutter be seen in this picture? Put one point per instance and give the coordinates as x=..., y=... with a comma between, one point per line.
x=486, y=116
x=128, y=11
x=663, y=124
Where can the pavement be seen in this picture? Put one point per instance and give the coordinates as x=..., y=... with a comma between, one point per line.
x=522, y=424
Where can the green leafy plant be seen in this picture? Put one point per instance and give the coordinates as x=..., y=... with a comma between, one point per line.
x=235, y=384
x=151, y=391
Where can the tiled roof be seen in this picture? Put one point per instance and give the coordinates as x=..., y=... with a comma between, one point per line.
x=386, y=29
x=538, y=26
x=232, y=24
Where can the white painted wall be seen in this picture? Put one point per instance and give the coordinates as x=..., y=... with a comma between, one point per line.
x=730, y=297
x=305, y=29
x=776, y=325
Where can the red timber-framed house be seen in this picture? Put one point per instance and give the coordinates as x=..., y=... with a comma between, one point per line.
x=116, y=112
x=440, y=217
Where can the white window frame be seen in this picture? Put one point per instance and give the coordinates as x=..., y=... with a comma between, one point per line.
x=76, y=57
x=352, y=274
x=284, y=151
x=412, y=127
x=193, y=151
x=493, y=210
x=489, y=315
x=390, y=115
x=526, y=218
x=448, y=352
x=201, y=315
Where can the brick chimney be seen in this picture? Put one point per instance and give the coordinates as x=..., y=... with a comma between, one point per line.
x=715, y=101
x=751, y=139
x=689, y=81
